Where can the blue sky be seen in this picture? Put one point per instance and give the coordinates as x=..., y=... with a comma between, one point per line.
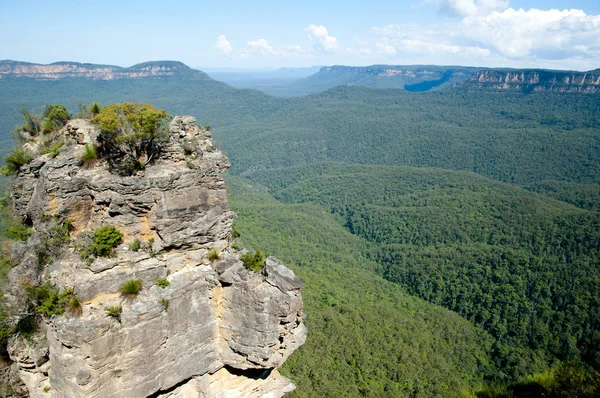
x=257, y=34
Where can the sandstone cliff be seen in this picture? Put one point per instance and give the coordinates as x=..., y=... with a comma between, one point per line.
x=62, y=70
x=217, y=329
x=533, y=80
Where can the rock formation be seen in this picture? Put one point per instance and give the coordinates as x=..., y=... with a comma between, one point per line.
x=62, y=70
x=537, y=80
x=216, y=329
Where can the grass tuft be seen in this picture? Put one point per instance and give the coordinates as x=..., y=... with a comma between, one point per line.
x=213, y=255
x=131, y=287
x=162, y=282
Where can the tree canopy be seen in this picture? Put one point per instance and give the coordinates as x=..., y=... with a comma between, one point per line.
x=131, y=135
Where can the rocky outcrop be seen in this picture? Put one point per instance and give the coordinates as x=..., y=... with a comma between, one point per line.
x=216, y=329
x=533, y=80
x=62, y=70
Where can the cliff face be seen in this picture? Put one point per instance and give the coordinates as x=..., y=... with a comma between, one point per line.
x=61, y=70
x=538, y=81
x=383, y=71
x=216, y=329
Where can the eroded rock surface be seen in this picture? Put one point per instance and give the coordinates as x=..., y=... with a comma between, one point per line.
x=215, y=323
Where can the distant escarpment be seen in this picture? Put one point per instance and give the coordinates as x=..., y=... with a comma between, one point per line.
x=62, y=70
x=129, y=284
x=537, y=80
x=409, y=77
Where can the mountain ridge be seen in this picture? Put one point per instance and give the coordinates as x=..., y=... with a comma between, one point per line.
x=414, y=78
x=68, y=69
x=529, y=80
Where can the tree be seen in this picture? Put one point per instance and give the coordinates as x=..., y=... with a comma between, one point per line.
x=54, y=117
x=31, y=121
x=131, y=135
x=95, y=109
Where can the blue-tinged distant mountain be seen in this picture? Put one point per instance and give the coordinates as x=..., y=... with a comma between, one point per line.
x=420, y=78
x=169, y=84
x=273, y=82
x=408, y=77
x=61, y=70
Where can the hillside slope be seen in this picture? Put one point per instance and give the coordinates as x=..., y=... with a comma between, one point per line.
x=367, y=336
x=410, y=77
x=521, y=265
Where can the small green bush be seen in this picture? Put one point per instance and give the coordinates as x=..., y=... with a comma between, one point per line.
x=105, y=239
x=235, y=246
x=165, y=302
x=5, y=267
x=89, y=156
x=162, y=282
x=254, y=262
x=114, y=311
x=32, y=122
x=89, y=152
x=95, y=108
x=16, y=230
x=136, y=245
x=131, y=287
x=53, y=149
x=149, y=248
x=75, y=306
x=52, y=239
x=47, y=299
x=234, y=232
x=55, y=116
x=17, y=158
x=27, y=325
x=213, y=255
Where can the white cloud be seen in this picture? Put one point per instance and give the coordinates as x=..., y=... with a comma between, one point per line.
x=542, y=38
x=545, y=34
x=261, y=47
x=428, y=41
x=463, y=8
x=291, y=50
x=321, y=39
x=224, y=46
x=385, y=47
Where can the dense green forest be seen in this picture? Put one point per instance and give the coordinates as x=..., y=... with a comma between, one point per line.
x=367, y=337
x=391, y=205
x=522, y=266
x=507, y=136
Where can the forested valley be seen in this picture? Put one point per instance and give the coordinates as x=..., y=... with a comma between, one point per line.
x=449, y=241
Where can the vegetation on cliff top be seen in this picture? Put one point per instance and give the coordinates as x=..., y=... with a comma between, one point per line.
x=131, y=135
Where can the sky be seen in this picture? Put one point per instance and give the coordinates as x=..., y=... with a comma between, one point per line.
x=555, y=34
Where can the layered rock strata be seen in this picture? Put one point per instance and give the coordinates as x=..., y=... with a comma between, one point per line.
x=63, y=70
x=532, y=80
x=217, y=329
